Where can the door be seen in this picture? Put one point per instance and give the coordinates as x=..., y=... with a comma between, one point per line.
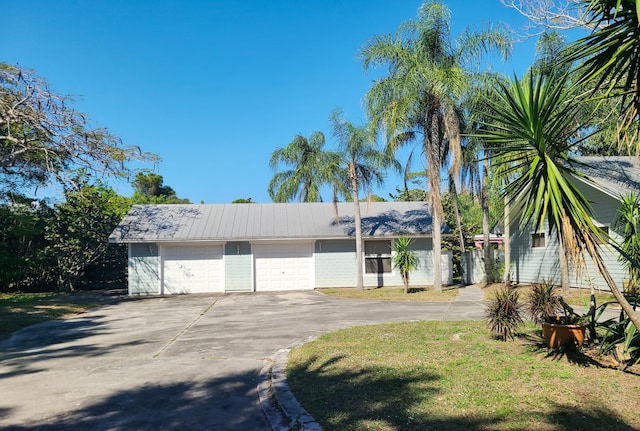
x=192, y=269
x=283, y=266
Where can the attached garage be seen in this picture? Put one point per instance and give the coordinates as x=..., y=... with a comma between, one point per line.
x=188, y=248
x=283, y=266
x=192, y=269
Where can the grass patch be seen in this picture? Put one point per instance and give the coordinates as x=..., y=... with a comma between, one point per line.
x=19, y=310
x=455, y=376
x=394, y=293
x=576, y=297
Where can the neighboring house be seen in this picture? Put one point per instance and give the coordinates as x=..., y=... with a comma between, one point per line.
x=534, y=255
x=270, y=247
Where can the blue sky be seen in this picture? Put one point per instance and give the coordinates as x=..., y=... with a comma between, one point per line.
x=213, y=87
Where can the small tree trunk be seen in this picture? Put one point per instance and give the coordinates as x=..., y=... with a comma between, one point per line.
x=506, y=278
x=488, y=256
x=564, y=269
x=437, y=252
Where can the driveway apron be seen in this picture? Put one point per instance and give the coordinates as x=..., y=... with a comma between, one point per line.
x=183, y=362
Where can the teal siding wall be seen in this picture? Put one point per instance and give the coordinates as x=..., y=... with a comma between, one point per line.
x=144, y=269
x=335, y=266
x=335, y=263
x=605, y=209
x=532, y=265
x=238, y=262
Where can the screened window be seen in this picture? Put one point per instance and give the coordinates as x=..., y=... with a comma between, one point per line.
x=377, y=257
x=537, y=240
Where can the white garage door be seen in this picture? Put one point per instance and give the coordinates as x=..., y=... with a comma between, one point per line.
x=193, y=269
x=283, y=266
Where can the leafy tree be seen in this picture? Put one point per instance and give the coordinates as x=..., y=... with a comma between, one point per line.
x=628, y=221
x=404, y=259
x=78, y=231
x=362, y=166
x=409, y=195
x=242, y=201
x=42, y=137
x=610, y=57
x=150, y=189
x=311, y=169
x=532, y=130
x=22, y=224
x=420, y=95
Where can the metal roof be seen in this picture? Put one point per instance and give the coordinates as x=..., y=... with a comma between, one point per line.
x=614, y=175
x=233, y=222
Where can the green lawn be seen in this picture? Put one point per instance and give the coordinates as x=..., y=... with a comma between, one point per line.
x=577, y=297
x=23, y=309
x=394, y=293
x=454, y=376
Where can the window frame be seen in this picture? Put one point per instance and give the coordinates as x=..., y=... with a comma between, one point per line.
x=535, y=237
x=367, y=256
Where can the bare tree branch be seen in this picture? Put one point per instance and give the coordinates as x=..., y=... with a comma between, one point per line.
x=549, y=14
x=42, y=138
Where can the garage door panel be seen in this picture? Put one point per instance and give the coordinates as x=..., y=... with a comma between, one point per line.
x=283, y=266
x=193, y=269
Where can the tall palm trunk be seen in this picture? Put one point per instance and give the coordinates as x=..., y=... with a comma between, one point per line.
x=488, y=255
x=358, y=226
x=432, y=150
x=456, y=211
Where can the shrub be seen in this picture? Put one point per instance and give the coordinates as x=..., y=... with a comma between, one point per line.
x=503, y=313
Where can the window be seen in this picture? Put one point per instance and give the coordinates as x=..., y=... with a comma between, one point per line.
x=537, y=240
x=377, y=257
x=604, y=231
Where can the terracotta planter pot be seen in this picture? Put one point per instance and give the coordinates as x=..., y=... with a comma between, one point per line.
x=556, y=335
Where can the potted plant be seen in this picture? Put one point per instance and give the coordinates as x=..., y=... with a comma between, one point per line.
x=560, y=330
x=560, y=324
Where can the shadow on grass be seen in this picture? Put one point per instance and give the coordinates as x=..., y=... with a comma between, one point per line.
x=381, y=398
x=226, y=403
x=569, y=352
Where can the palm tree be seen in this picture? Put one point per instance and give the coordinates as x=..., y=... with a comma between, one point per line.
x=419, y=97
x=312, y=168
x=363, y=166
x=611, y=58
x=532, y=129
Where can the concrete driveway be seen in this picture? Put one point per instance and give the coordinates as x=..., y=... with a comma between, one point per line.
x=183, y=362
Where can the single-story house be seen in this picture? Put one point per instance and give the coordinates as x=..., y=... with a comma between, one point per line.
x=271, y=247
x=534, y=255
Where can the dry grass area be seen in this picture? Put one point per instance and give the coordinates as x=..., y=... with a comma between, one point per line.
x=394, y=293
x=454, y=376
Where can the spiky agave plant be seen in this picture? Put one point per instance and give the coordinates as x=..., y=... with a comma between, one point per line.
x=503, y=313
x=543, y=301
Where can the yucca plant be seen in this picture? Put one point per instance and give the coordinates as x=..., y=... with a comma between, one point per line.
x=404, y=259
x=532, y=130
x=503, y=313
x=543, y=302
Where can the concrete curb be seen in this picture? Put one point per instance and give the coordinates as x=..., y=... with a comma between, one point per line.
x=282, y=409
